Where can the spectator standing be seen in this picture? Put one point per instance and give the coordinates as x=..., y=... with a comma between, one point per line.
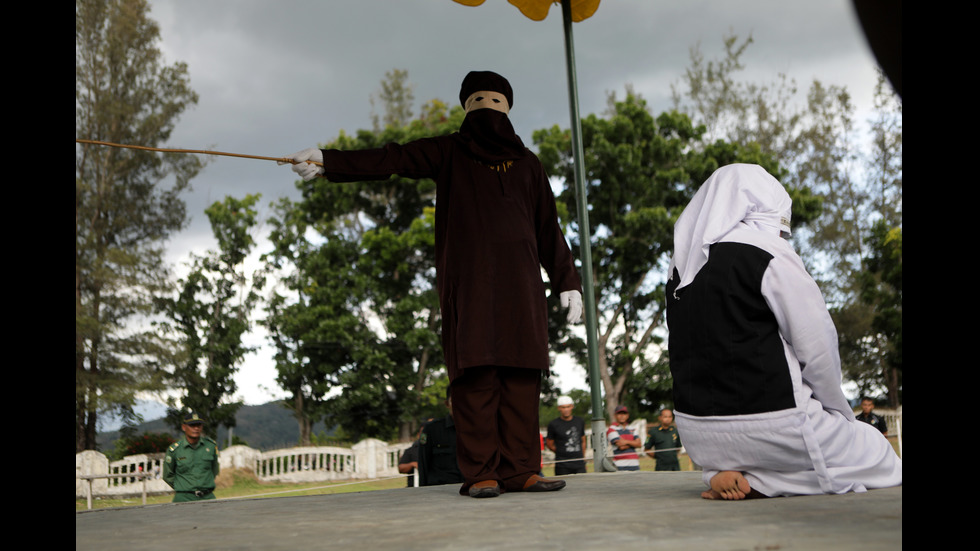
x=566, y=437
x=664, y=442
x=624, y=442
x=437, y=451
x=409, y=460
x=871, y=418
x=191, y=463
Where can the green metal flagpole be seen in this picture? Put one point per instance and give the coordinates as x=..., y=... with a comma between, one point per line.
x=600, y=461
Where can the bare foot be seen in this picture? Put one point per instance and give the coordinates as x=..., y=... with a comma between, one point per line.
x=728, y=485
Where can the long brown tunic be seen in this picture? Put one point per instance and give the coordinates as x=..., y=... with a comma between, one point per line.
x=496, y=226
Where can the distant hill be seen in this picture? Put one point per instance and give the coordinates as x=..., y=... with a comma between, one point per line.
x=266, y=427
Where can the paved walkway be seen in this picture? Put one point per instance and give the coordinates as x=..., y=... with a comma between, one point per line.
x=634, y=510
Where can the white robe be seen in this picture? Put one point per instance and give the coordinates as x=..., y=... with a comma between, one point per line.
x=818, y=446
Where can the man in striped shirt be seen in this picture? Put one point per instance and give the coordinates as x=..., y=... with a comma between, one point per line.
x=624, y=443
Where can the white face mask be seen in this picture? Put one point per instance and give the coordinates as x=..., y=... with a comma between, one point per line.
x=485, y=99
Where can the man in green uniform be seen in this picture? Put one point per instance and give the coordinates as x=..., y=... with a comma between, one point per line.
x=665, y=438
x=191, y=462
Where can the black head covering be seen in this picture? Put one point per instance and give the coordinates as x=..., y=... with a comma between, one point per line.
x=477, y=81
x=487, y=133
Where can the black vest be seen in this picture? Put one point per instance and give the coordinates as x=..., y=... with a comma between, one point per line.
x=726, y=355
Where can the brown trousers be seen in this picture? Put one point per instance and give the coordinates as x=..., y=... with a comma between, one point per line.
x=495, y=410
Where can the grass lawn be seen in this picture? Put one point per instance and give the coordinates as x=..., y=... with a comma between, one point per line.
x=242, y=484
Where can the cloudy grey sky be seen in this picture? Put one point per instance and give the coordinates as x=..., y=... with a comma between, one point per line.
x=277, y=77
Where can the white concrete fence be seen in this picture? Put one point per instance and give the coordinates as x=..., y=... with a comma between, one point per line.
x=366, y=460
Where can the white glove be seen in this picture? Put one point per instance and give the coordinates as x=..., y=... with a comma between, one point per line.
x=307, y=171
x=573, y=301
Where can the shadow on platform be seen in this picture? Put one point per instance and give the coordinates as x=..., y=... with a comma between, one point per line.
x=625, y=510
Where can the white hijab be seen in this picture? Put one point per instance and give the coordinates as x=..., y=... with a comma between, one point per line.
x=733, y=195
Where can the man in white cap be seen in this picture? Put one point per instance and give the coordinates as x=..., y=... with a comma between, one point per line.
x=753, y=353
x=566, y=437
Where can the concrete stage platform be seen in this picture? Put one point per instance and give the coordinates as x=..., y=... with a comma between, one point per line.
x=623, y=510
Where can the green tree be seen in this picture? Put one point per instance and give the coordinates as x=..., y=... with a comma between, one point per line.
x=735, y=111
x=314, y=318
x=210, y=314
x=870, y=328
x=396, y=97
x=868, y=342
x=881, y=289
x=123, y=211
x=357, y=322
x=640, y=172
x=884, y=164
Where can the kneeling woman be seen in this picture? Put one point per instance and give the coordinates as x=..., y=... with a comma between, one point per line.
x=753, y=353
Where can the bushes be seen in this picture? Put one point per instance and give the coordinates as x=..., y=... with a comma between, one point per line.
x=148, y=442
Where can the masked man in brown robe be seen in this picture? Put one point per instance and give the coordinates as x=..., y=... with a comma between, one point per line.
x=496, y=227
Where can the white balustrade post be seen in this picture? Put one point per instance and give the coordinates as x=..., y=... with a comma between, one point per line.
x=366, y=453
